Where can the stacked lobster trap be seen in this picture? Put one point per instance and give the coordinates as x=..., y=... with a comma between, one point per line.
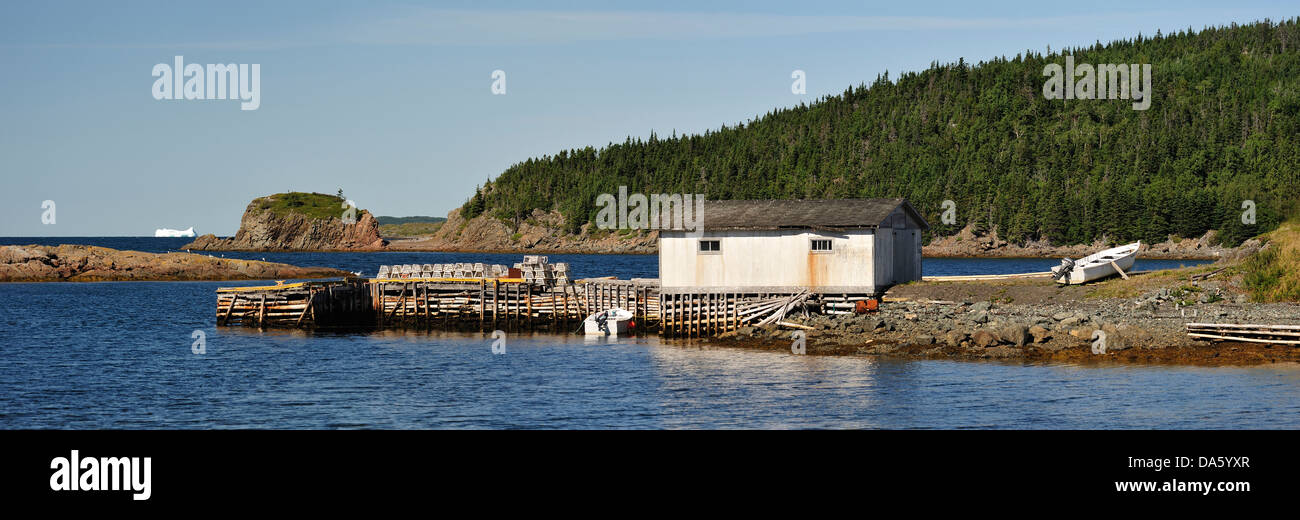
x=458, y=270
x=537, y=270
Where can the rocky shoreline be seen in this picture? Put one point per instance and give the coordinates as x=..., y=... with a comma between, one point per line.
x=77, y=263
x=1035, y=321
x=969, y=244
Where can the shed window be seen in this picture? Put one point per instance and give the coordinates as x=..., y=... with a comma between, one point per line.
x=708, y=246
x=821, y=245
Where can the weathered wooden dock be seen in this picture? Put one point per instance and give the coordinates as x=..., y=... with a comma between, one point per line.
x=698, y=313
x=299, y=305
x=506, y=303
x=516, y=304
x=453, y=303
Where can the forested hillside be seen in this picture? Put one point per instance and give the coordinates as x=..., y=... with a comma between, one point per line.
x=1221, y=128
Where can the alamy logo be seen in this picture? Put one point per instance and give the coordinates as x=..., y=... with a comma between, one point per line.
x=215, y=81
x=1104, y=81
x=662, y=211
x=102, y=474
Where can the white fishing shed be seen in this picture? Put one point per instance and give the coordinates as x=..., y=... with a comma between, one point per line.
x=850, y=246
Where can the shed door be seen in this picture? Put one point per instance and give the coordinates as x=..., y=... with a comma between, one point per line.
x=900, y=258
x=906, y=256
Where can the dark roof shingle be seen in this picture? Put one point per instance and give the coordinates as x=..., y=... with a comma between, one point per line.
x=783, y=214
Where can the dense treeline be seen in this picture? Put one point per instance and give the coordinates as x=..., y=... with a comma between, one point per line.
x=1221, y=129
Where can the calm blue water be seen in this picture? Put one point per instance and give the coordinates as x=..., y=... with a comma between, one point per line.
x=118, y=355
x=622, y=266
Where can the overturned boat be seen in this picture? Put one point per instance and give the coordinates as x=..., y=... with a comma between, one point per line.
x=1116, y=260
x=608, y=323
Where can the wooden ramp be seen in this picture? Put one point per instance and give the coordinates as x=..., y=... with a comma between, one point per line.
x=1251, y=333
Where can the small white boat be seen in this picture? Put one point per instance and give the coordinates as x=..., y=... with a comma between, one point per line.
x=608, y=323
x=164, y=232
x=1097, y=265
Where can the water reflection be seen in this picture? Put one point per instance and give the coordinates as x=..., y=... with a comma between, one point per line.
x=120, y=358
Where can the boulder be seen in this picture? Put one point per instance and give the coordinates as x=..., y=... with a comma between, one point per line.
x=954, y=338
x=985, y=338
x=1015, y=334
x=1073, y=320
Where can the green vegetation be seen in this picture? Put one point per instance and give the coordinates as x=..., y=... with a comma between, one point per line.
x=409, y=220
x=1222, y=128
x=1273, y=274
x=409, y=229
x=313, y=205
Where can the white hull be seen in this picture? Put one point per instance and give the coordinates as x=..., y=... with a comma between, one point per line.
x=618, y=321
x=1101, y=265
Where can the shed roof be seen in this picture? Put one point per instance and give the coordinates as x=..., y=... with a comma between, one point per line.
x=833, y=214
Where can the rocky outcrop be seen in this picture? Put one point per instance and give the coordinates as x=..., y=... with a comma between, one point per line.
x=75, y=263
x=968, y=243
x=541, y=232
x=263, y=229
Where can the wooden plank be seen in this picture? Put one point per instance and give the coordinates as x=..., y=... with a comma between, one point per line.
x=401, y=301
x=1118, y=270
x=261, y=288
x=1250, y=340
x=226, y=318
x=1245, y=325
x=298, y=322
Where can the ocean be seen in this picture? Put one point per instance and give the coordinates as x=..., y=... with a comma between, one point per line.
x=121, y=355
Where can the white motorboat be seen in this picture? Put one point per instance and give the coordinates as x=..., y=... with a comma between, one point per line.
x=1097, y=265
x=611, y=322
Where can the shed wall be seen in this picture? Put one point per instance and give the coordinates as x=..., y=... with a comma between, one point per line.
x=769, y=260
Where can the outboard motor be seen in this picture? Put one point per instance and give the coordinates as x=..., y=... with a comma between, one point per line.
x=1062, y=272
x=602, y=320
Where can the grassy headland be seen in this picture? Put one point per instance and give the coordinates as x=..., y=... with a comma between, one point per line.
x=403, y=227
x=313, y=205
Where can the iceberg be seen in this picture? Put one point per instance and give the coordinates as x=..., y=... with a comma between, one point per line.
x=164, y=232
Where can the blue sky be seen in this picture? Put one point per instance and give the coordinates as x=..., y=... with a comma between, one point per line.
x=392, y=102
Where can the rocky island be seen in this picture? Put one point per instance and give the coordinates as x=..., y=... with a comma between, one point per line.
x=298, y=222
